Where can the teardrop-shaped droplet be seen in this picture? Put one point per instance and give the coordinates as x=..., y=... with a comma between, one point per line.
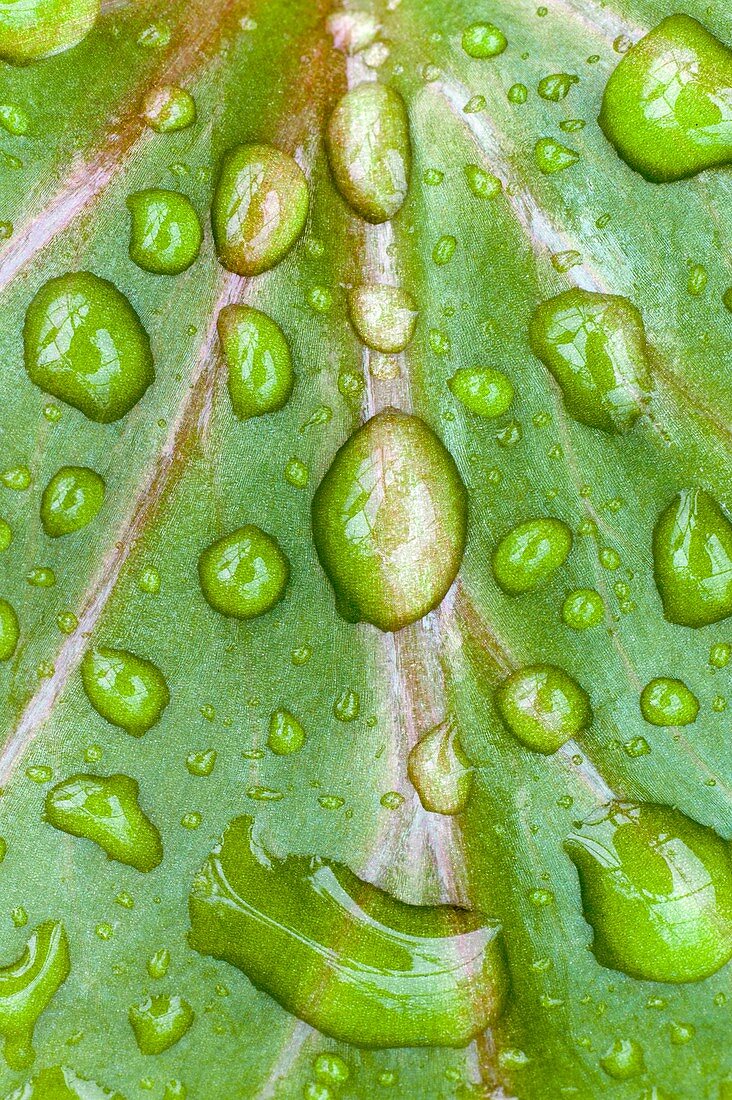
x=595, y=346
x=530, y=553
x=656, y=891
x=244, y=574
x=390, y=521
x=9, y=630
x=28, y=986
x=623, y=1060
x=169, y=108
x=383, y=316
x=257, y=355
x=85, y=344
x=71, y=500
x=543, y=706
x=286, y=734
x=166, y=235
x=369, y=150
x=129, y=691
x=159, y=1022
x=439, y=770
x=692, y=560
x=106, y=809
x=33, y=29
x=482, y=390
x=668, y=702
x=551, y=156
x=667, y=108
x=259, y=208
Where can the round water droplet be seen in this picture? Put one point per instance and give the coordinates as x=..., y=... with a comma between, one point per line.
x=623, y=1060
x=9, y=630
x=165, y=235
x=71, y=500
x=129, y=691
x=390, y=521
x=583, y=608
x=551, y=156
x=169, y=108
x=530, y=553
x=85, y=344
x=517, y=94
x=444, y=250
x=260, y=374
x=692, y=560
x=18, y=478
x=383, y=316
x=543, y=706
x=243, y=574
x=33, y=29
x=668, y=702
x=439, y=770
x=286, y=734
x=481, y=40
x=150, y=580
x=159, y=1022
x=482, y=390
x=259, y=208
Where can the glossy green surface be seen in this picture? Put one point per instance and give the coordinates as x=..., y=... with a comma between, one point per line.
x=27, y=986
x=692, y=559
x=383, y=316
x=71, y=500
x=530, y=554
x=129, y=691
x=34, y=29
x=243, y=574
x=668, y=702
x=258, y=360
x=543, y=707
x=165, y=233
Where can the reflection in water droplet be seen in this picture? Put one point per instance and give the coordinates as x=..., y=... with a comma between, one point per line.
x=34, y=29
x=28, y=986
x=166, y=235
x=482, y=390
x=169, y=108
x=383, y=316
x=692, y=560
x=439, y=770
x=668, y=702
x=260, y=374
x=71, y=500
x=159, y=1022
x=243, y=574
x=129, y=691
x=543, y=706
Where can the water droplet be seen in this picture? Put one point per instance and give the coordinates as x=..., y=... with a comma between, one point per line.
x=369, y=150
x=692, y=560
x=41, y=577
x=392, y=800
x=129, y=691
x=191, y=820
x=264, y=794
x=720, y=654
x=389, y=521
x=482, y=390
x=14, y=119
x=301, y=655
x=243, y=574
x=440, y=771
x=543, y=706
x=623, y=1060
x=609, y=558
x=201, y=763
x=583, y=608
x=158, y=963
x=169, y=108
x=637, y=746
x=530, y=553
x=27, y=987
x=18, y=478
x=595, y=346
x=666, y=108
x=517, y=94
x=484, y=185
x=475, y=103
x=258, y=359
x=165, y=235
x=150, y=580
x=698, y=278
x=286, y=734
x=30, y=32
x=444, y=250
x=297, y=474
x=320, y=298
x=9, y=630
x=556, y=86
x=6, y=535
x=551, y=156
x=71, y=500
x=481, y=40
x=331, y=801
x=331, y=1069
x=159, y=1022
x=565, y=261
x=667, y=702
x=259, y=208
x=405, y=976
x=85, y=345
x=347, y=706
x=656, y=890
x=107, y=811
x=682, y=1034
x=383, y=316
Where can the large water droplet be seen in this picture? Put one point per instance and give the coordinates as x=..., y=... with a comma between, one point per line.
x=439, y=770
x=543, y=706
x=71, y=499
x=9, y=630
x=595, y=346
x=85, y=344
x=243, y=574
x=107, y=811
x=668, y=702
x=27, y=988
x=160, y=1022
x=166, y=235
x=667, y=108
x=656, y=890
x=530, y=553
x=34, y=29
x=129, y=691
x=259, y=208
x=390, y=521
x=482, y=390
x=258, y=358
x=383, y=316
x=169, y=108
x=692, y=560
x=346, y=957
x=369, y=150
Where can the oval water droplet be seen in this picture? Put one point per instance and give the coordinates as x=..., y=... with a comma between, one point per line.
x=543, y=706
x=34, y=29
x=556, y=86
x=439, y=770
x=481, y=40
x=159, y=1022
x=369, y=150
x=656, y=891
x=85, y=344
x=390, y=521
x=286, y=734
x=243, y=574
x=260, y=374
x=692, y=560
x=169, y=108
x=530, y=553
x=623, y=1060
x=551, y=156
x=165, y=235
x=129, y=691
x=28, y=986
x=595, y=346
x=383, y=316
x=482, y=390
x=9, y=630
x=259, y=209
x=668, y=702
x=71, y=500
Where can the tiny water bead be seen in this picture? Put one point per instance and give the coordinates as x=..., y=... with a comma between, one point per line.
x=150, y=580
x=41, y=576
x=483, y=40
x=297, y=474
x=529, y=554
x=71, y=500
x=9, y=630
x=383, y=316
x=34, y=29
x=369, y=150
x=159, y=1022
x=482, y=390
x=85, y=345
x=439, y=770
x=127, y=690
x=692, y=559
x=656, y=891
x=623, y=1060
x=259, y=363
x=165, y=234
x=551, y=156
x=286, y=735
x=169, y=108
x=243, y=574
x=543, y=706
x=259, y=209
x=556, y=86
x=342, y=955
x=482, y=184
x=583, y=609
x=668, y=702
x=666, y=108
x=28, y=986
x=444, y=250
x=107, y=811
x=595, y=347
x=390, y=521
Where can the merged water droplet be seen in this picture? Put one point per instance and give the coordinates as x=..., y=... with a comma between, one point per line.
x=667, y=108
x=692, y=560
x=530, y=553
x=62, y=1083
x=439, y=770
x=128, y=691
x=71, y=500
x=481, y=40
x=258, y=359
x=41, y=28
x=482, y=390
x=159, y=1022
x=259, y=210
x=398, y=975
x=656, y=890
x=668, y=702
x=243, y=574
x=9, y=630
x=383, y=316
x=28, y=986
x=169, y=108
x=106, y=809
x=369, y=150
x=390, y=521
x=85, y=344
x=165, y=234
x=595, y=346
x=543, y=706
x=286, y=734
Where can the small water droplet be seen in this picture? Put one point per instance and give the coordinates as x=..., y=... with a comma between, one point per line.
x=583, y=608
x=530, y=553
x=383, y=316
x=9, y=630
x=668, y=702
x=483, y=184
x=623, y=1060
x=127, y=690
x=482, y=40
x=260, y=373
x=71, y=500
x=165, y=234
x=543, y=706
x=169, y=108
x=286, y=734
x=243, y=574
x=201, y=763
x=551, y=156
x=159, y=1022
x=556, y=86
x=30, y=32
x=439, y=770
